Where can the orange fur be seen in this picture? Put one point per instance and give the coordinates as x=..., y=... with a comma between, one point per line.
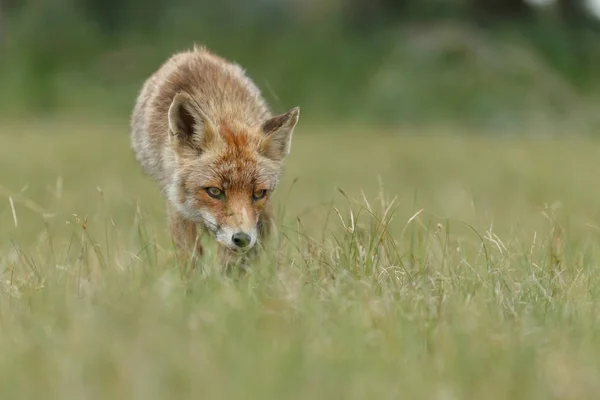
x=199, y=122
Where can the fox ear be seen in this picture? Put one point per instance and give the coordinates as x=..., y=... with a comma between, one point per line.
x=188, y=124
x=278, y=130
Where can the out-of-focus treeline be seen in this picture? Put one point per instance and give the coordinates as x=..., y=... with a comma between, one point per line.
x=493, y=62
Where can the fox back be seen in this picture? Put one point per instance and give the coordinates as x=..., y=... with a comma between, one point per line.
x=201, y=129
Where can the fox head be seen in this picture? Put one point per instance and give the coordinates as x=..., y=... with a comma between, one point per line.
x=225, y=174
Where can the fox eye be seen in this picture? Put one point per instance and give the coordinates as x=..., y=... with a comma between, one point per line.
x=215, y=192
x=259, y=194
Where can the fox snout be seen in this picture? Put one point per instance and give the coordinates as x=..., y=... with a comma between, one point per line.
x=238, y=231
x=241, y=239
x=235, y=239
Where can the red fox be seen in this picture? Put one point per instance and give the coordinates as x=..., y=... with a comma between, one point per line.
x=202, y=131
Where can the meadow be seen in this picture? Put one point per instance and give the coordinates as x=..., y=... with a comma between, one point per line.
x=409, y=263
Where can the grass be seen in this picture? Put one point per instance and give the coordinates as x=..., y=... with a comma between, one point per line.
x=435, y=265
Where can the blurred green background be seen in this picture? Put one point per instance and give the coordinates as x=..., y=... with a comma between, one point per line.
x=502, y=65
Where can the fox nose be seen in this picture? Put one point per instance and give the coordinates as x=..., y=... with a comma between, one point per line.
x=241, y=239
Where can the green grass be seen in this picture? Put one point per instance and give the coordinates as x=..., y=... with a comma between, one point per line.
x=425, y=266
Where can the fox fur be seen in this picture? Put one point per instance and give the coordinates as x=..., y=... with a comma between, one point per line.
x=202, y=131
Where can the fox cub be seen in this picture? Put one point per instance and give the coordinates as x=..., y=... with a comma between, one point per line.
x=202, y=131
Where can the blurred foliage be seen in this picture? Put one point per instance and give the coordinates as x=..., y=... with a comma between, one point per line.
x=494, y=62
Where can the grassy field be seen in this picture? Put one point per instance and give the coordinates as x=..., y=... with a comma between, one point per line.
x=425, y=266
